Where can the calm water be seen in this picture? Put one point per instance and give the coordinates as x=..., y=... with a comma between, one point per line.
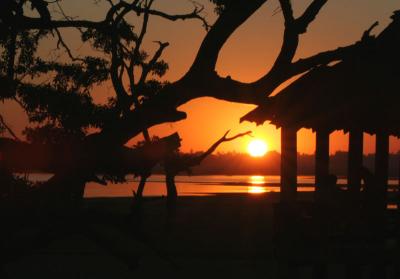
x=197, y=185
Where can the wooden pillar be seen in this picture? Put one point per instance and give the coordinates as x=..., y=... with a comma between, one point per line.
x=288, y=164
x=382, y=158
x=355, y=161
x=398, y=190
x=321, y=157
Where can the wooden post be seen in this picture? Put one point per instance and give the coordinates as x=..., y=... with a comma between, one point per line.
x=288, y=164
x=382, y=158
x=355, y=162
x=321, y=157
x=397, y=200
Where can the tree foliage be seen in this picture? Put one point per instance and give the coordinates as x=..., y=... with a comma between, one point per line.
x=221, y=5
x=59, y=94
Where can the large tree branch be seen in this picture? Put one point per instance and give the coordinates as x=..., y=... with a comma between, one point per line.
x=201, y=80
x=143, y=117
x=195, y=14
x=85, y=158
x=293, y=29
x=287, y=12
x=22, y=22
x=236, y=91
x=290, y=37
x=27, y=23
x=309, y=15
x=178, y=93
x=237, y=13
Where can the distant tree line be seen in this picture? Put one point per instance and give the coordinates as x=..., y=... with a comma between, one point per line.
x=239, y=163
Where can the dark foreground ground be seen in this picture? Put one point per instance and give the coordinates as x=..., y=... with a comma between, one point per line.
x=211, y=236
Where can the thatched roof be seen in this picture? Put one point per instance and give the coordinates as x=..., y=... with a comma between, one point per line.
x=361, y=92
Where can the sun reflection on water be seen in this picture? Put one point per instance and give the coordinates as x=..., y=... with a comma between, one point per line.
x=256, y=190
x=256, y=180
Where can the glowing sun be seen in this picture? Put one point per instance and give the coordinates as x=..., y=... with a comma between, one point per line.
x=257, y=148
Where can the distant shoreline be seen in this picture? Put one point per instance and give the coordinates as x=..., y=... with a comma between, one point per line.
x=202, y=174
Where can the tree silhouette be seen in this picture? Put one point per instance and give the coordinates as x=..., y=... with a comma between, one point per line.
x=176, y=162
x=58, y=95
x=75, y=137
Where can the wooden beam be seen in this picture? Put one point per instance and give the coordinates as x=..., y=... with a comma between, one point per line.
x=288, y=164
x=321, y=157
x=355, y=161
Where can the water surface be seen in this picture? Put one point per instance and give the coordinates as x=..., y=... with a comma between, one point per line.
x=197, y=185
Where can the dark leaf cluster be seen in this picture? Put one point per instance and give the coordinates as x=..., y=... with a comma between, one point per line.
x=103, y=39
x=222, y=5
x=73, y=76
x=71, y=110
x=150, y=89
x=51, y=134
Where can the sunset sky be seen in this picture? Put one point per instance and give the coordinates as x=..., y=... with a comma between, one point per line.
x=248, y=54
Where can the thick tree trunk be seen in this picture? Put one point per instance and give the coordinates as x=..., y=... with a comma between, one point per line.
x=172, y=198
x=140, y=189
x=172, y=193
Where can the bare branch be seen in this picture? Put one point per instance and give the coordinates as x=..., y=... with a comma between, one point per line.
x=197, y=160
x=195, y=14
x=367, y=33
x=21, y=22
x=26, y=23
x=116, y=78
x=309, y=15
x=19, y=103
x=146, y=68
x=293, y=28
x=143, y=31
x=287, y=11
x=9, y=130
x=134, y=55
x=237, y=136
x=62, y=11
x=65, y=46
x=222, y=29
x=144, y=25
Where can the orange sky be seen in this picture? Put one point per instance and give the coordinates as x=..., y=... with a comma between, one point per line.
x=247, y=55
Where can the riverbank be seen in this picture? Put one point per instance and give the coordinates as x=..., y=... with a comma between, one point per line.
x=221, y=233
x=208, y=236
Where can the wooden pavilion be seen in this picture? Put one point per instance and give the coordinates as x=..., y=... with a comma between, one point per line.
x=359, y=94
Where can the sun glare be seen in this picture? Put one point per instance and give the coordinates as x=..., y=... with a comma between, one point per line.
x=256, y=190
x=257, y=148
